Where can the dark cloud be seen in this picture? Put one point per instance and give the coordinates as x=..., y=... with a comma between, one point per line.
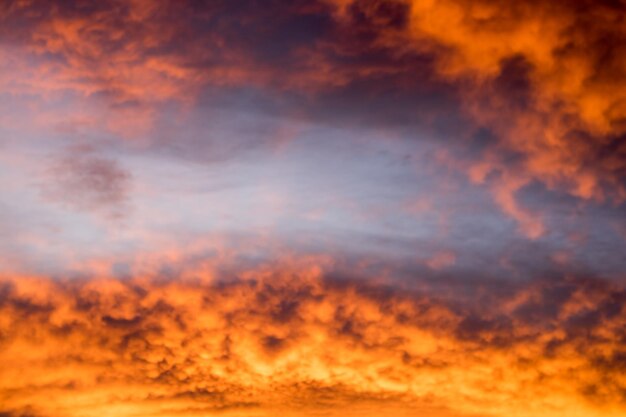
x=497, y=66
x=18, y=414
x=84, y=180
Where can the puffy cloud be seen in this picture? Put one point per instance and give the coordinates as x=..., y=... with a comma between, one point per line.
x=545, y=79
x=289, y=338
x=524, y=99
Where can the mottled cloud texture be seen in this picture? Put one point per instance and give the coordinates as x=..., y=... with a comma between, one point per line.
x=291, y=339
x=313, y=207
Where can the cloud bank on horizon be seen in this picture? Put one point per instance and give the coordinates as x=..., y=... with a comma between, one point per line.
x=321, y=207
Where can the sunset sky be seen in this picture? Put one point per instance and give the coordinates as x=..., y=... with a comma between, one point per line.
x=318, y=208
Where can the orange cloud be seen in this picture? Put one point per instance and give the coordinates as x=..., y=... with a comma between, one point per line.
x=546, y=79
x=289, y=339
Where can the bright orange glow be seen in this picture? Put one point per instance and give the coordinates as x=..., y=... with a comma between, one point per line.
x=312, y=208
x=297, y=343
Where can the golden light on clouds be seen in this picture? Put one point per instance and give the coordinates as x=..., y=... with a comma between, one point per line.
x=298, y=343
x=312, y=208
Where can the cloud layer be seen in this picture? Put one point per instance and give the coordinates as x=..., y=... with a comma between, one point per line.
x=290, y=338
x=320, y=207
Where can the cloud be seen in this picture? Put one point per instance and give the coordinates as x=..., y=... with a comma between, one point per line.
x=291, y=339
x=525, y=99
x=545, y=80
x=542, y=78
x=83, y=180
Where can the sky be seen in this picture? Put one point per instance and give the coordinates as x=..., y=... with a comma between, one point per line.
x=348, y=208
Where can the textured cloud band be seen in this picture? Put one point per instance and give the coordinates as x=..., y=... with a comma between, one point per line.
x=312, y=207
x=299, y=342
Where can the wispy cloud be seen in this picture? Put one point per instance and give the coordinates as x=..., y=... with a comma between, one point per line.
x=82, y=180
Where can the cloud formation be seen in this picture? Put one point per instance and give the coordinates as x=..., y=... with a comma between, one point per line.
x=339, y=207
x=545, y=81
x=291, y=338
